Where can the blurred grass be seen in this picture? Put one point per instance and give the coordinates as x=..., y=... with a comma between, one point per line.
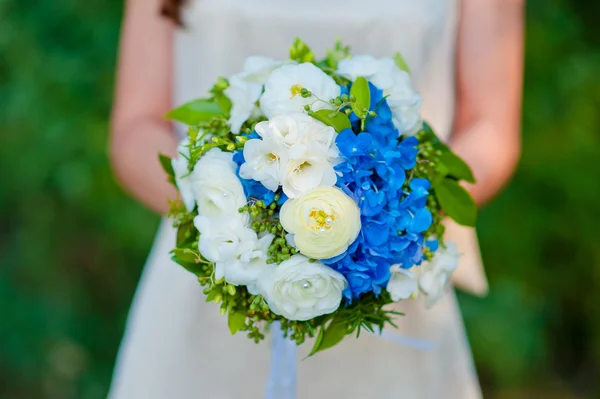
x=72, y=244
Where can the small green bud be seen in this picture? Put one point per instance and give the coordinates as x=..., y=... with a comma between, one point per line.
x=307, y=107
x=352, y=98
x=271, y=212
x=273, y=205
x=276, y=197
x=230, y=147
x=231, y=290
x=218, y=298
x=344, y=98
x=347, y=111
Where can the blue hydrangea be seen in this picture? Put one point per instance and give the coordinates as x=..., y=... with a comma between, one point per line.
x=393, y=211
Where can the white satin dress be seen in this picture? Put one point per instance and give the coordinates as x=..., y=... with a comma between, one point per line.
x=177, y=346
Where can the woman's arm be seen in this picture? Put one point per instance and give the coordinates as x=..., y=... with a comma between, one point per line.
x=490, y=69
x=143, y=95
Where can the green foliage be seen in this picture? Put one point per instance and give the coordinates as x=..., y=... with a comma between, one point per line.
x=195, y=112
x=456, y=202
x=401, y=62
x=360, y=97
x=301, y=52
x=338, y=120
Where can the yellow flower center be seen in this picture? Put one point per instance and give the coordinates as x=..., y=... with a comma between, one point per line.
x=272, y=157
x=301, y=167
x=295, y=90
x=320, y=220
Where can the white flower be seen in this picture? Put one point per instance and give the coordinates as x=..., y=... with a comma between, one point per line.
x=434, y=275
x=257, y=69
x=243, y=96
x=324, y=221
x=217, y=189
x=239, y=255
x=283, y=87
x=182, y=175
x=263, y=160
x=300, y=290
x=304, y=174
x=396, y=84
x=402, y=285
x=296, y=152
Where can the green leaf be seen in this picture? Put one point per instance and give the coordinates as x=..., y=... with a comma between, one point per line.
x=457, y=202
x=337, y=120
x=224, y=103
x=401, y=62
x=186, y=233
x=440, y=174
x=457, y=168
x=301, y=52
x=165, y=162
x=360, y=91
x=330, y=336
x=236, y=321
x=185, y=254
x=195, y=112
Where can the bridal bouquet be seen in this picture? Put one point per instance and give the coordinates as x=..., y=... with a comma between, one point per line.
x=313, y=195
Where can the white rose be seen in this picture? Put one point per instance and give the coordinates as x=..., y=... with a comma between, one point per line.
x=282, y=90
x=402, y=285
x=183, y=175
x=324, y=222
x=239, y=255
x=435, y=275
x=217, y=189
x=243, y=96
x=300, y=290
x=396, y=84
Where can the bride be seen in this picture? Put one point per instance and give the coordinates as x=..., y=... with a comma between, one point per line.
x=466, y=60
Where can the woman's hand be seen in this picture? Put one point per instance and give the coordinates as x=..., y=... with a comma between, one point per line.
x=143, y=95
x=489, y=77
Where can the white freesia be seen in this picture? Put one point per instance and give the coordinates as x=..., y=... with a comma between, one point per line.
x=243, y=96
x=239, y=255
x=182, y=174
x=263, y=162
x=300, y=290
x=284, y=85
x=245, y=89
x=296, y=152
x=217, y=189
x=324, y=222
x=306, y=173
x=403, y=99
x=257, y=68
x=435, y=275
x=402, y=284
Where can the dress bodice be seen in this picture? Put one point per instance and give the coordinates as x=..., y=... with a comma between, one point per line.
x=220, y=34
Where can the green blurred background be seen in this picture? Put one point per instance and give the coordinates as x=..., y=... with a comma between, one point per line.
x=72, y=244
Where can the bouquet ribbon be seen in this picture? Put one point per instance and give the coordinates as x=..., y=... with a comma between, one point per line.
x=283, y=374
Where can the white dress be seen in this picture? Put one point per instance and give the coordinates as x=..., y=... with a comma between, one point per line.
x=178, y=346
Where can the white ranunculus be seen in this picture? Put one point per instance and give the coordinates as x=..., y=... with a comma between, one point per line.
x=182, y=175
x=239, y=255
x=217, y=189
x=324, y=222
x=243, y=96
x=300, y=290
x=263, y=162
x=435, y=275
x=403, y=99
x=402, y=285
x=282, y=90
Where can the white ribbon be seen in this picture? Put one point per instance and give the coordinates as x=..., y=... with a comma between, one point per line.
x=283, y=375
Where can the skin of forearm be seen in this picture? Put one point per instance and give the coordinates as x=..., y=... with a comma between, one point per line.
x=135, y=151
